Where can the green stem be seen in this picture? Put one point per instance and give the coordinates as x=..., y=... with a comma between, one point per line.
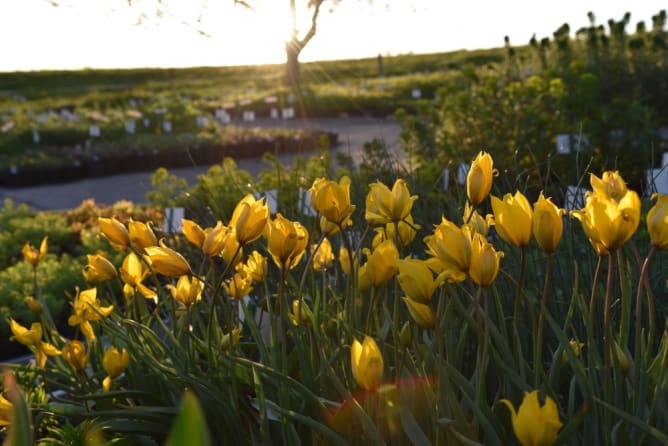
x=592, y=298
x=607, y=332
x=638, y=328
x=538, y=346
x=516, y=308
x=372, y=303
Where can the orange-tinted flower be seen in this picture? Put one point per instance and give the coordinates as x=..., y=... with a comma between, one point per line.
x=548, y=224
x=332, y=200
x=513, y=218
x=87, y=308
x=485, y=261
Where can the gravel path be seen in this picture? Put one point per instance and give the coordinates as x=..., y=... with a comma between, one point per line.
x=353, y=133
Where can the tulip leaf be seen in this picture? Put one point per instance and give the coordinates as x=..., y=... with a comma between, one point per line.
x=413, y=429
x=190, y=425
x=640, y=424
x=20, y=431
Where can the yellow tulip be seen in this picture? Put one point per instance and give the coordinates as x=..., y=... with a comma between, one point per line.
x=610, y=185
x=286, y=242
x=332, y=200
x=6, y=411
x=344, y=261
x=98, y=269
x=407, y=232
x=166, y=261
x=239, y=285
x=76, y=355
x=115, y=232
x=512, y=218
x=188, y=290
x=416, y=280
x=86, y=309
x=115, y=362
x=34, y=304
x=215, y=239
x=230, y=340
x=249, y=219
x=323, y=257
x=451, y=245
x=548, y=224
x=363, y=282
x=577, y=349
x=300, y=313
x=384, y=206
x=608, y=222
x=255, y=267
x=329, y=228
x=534, y=424
x=479, y=178
x=193, y=232
x=420, y=312
x=381, y=263
x=141, y=235
x=133, y=273
x=367, y=363
x=33, y=255
x=476, y=221
x=22, y=335
x=485, y=261
x=232, y=252
x=657, y=222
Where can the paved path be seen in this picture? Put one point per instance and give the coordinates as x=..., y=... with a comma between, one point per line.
x=353, y=133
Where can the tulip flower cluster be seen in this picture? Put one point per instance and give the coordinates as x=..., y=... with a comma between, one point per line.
x=369, y=324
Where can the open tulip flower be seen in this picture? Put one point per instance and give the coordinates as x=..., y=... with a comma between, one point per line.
x=479, y=178
x=512, y=218
x=367, y=363
x=332, y=200
x=416, y=280
x=188, y=290
x=287, y=241
x=610, y=185
x=34, y=256
x=133, y=273
x=450, y=245
x=87, y=308
x=657, y=222
x=98, y=269
x=249, y=219
x=255, y=267
x=384, y=205
x=76, y=355
x=33, y=338
x=323, y=257
x=535, y=424
x=239, y=285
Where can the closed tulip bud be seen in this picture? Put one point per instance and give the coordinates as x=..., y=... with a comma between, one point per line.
x=485, y=262
x=98, y=269
x=575, y=346
x=534, y=424
x=300, y=313
x=141, y=235
x=332, y=200
x=620, y=357
x=115, y=232
x=512, y=218
x=479, y=178
x=239, y=285
x=451, y=245
x=323, y=257
x=657, y=222
x=286, y=242
x=166, y=261
x=34, y=305
x=381, y=263
x=363, y=282
x=76, y=355
x=384, y=206
x=344, y=261
x=215, y=239
x=249, y=219
x=548, y=224
x=329, y=228
x=367, y=363
x=477, y=222
x=416, y=280
x=420, y=312
x=115, y=362
x=33, y=255
x=610, y=185
x=193, y=232
x=188, y=290
x=230, y=340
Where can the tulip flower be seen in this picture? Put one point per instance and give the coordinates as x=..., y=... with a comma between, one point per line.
x=577, y=349
x=610, y=185
x=33, y=338
x=479, y=178
x=230, y=340
x=86, y=309
x=607, y=223
x=166, y=261
x=6, y=411
x=421, y=312
x=115, y=362
x=300, y=313
x=548, y=224
x=367, y=363
x=249, y=219
x=255, y=267
x=232, y=251
x=485, y=261
x=193, y=232
x=133, y=273
x=534, y=424
x=98, y=269
x=332, y=200
x=115, y=232
x=407, y=232
x=381, y=263
x=451, y=245
x=239, y=285
x=416, y=280
x=188, y=290
x=34, y=304
x=323, y=257
x=512, y=218
x=384, y=206
x=76, y=355
x=33, y=255
x=344, y=261
x=477, y=222
x=286, y=241
x=363, y=282
x=657, y=222
x=141, y=235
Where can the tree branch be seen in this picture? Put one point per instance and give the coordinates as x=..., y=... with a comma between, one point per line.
x=311, y=32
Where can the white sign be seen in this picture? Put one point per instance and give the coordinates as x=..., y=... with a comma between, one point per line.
x=173, y=221
x=657, y=180
x=202, y=121
x=147, y=122
x=249, y=116
x=288, y=113
x=462, y=172
x=167, y=126
x=304, y=203
x=7, y=126
x=273, y=113
x=566, y=142
x=223, y=116
x=416, y=93
x=575, y=198
x=446, y=179
x=130, y=126
x=35, y=136
x=94, y=131
x=271, y=197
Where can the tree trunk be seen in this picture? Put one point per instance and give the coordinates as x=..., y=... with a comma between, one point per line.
x=292, y=65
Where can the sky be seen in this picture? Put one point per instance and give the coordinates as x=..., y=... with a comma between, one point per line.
x=35, y=35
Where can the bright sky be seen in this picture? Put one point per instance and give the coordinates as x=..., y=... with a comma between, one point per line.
x=103, y=33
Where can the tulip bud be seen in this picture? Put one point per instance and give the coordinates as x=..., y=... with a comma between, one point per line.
x=34, y=305
x=115, y=362
x=367, y=363
x=405, y=335
x=76, y=355
x=33, y=255
x=115, y=232
x=479, y=178
x=657, y=222
x=166, y=261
